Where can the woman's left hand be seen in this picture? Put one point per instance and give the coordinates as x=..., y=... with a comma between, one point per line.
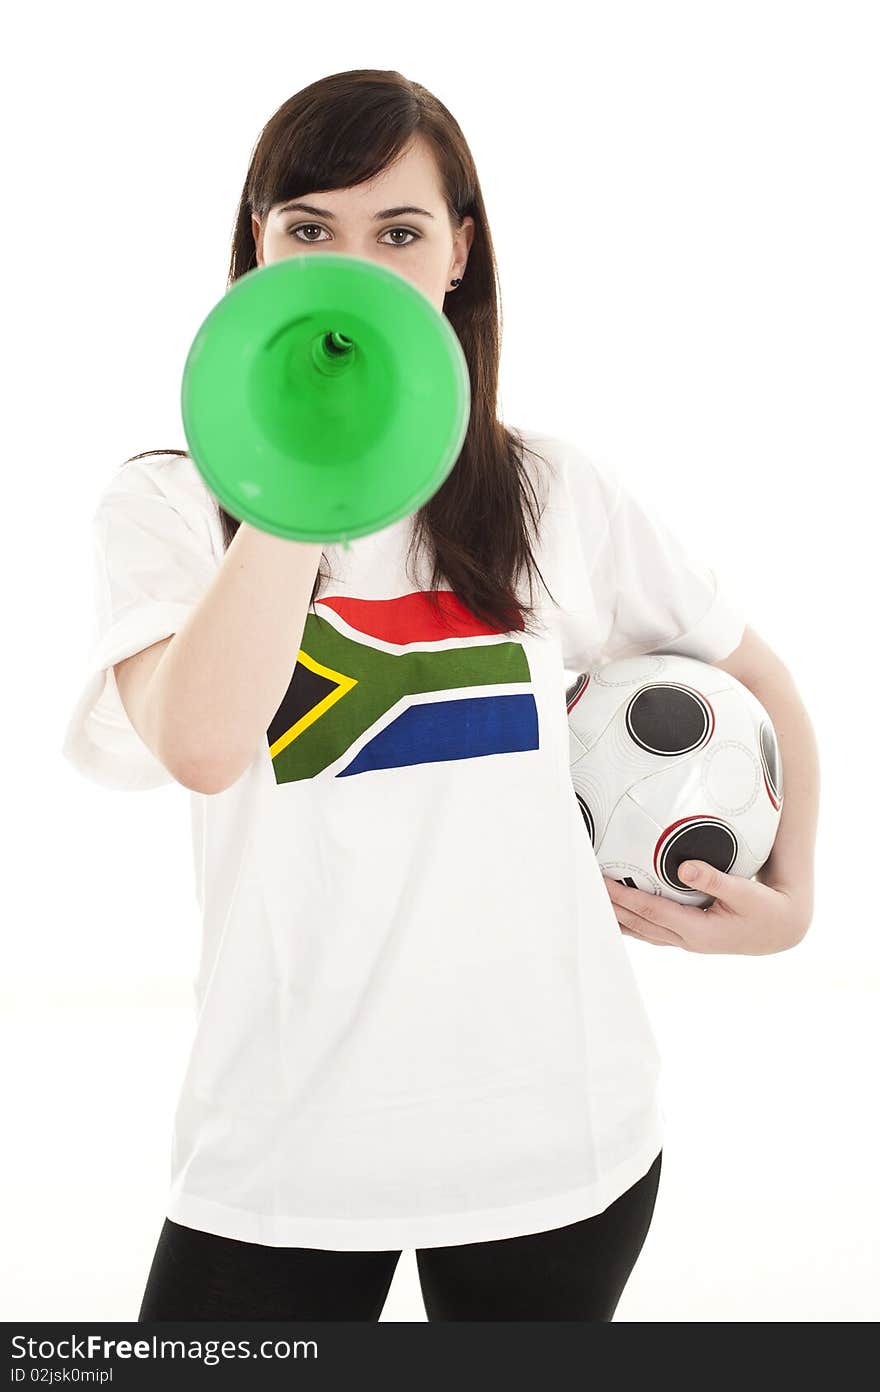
x=747, y=916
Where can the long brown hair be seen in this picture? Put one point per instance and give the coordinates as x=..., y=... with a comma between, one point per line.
x=343, y=130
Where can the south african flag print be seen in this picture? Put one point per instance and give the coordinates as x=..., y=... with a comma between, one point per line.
x=386, y=681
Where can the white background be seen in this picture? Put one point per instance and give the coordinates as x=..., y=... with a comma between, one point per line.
x=684, y=203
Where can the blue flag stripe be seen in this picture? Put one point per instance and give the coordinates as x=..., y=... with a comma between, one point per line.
x=459, y=729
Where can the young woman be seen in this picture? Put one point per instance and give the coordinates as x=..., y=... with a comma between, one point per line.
x=418, y=1026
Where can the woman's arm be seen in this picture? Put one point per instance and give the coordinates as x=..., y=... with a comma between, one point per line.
x=790, y=865
x=221, y=678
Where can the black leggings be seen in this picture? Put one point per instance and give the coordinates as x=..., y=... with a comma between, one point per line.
x=577, y=1272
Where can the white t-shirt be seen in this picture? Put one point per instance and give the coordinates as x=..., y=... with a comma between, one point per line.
x=417, y=1019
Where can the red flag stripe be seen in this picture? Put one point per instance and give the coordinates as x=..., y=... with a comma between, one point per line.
x=410, y=618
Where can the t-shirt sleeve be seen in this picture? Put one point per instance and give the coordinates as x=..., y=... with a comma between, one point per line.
x=157, y=543
x=649, y=590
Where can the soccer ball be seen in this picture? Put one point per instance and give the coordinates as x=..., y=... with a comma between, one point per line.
x=673, y=759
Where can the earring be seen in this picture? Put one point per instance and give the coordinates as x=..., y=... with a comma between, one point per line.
x=457, y=282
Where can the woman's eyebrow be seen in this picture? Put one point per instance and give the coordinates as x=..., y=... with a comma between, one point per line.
x=325, y=212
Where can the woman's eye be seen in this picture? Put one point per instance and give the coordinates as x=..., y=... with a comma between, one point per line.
x=314, y=227
x=407, y=232
x=306, y=227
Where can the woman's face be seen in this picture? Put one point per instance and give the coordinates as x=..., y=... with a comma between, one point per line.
x=360, y=221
